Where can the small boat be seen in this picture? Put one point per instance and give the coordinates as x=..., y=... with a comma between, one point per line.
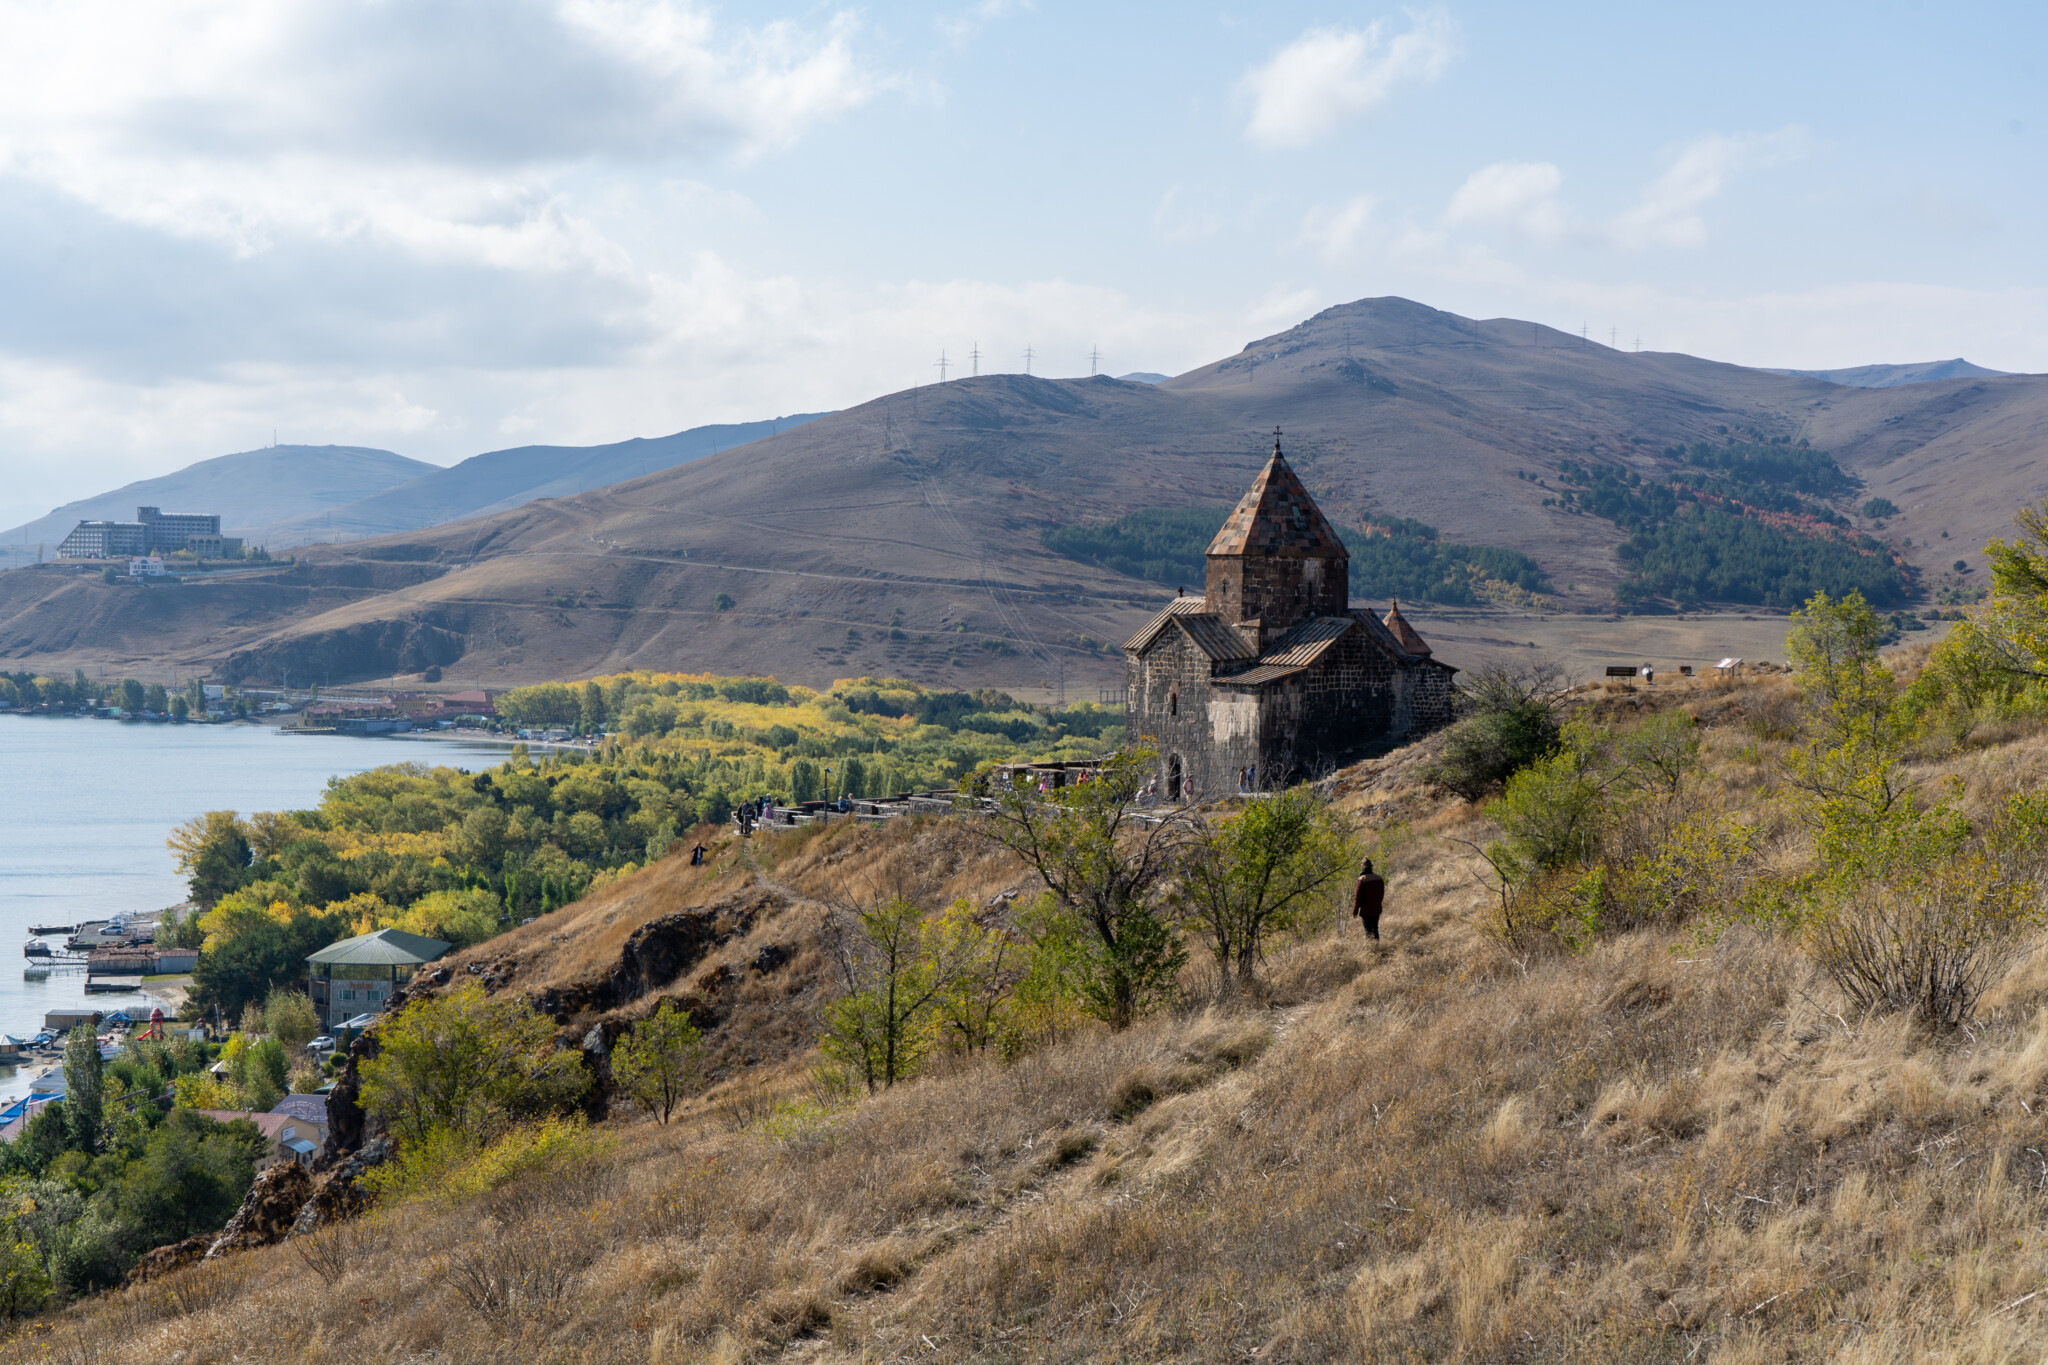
x=45, y=930
x=37, y=948
x=108, y=987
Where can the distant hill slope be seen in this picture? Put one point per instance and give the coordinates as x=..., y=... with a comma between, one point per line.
x=501, y=480
x=1890, y=376
x=250, y=489
x=906, y=535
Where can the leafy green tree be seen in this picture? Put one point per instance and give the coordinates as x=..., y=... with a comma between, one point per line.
x=1258, y=871
x=468, y=1063
x=894, y=981
x=1552, y=813
x=180, y=709
x=1103, y=866
x=84, y=1089
x=1997, y=659
x=213, y=853
x=191, y=1177
x=24, y=1284
x=590, y=708
x=661, y=1062
x=261, y=1071
x=133, y=694
x=804, y=781
x=244, y=969
x=1857, y=724
x=979, y=1007
x=156, y=699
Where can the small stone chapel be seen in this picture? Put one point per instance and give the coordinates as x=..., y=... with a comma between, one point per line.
x=1271, y=670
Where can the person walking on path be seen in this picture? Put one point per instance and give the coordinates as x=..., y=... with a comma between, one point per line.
x=1366, y=901
x=697, y=856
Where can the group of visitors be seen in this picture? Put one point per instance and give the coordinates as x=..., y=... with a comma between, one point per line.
x=758, y=811
x=1247, y=779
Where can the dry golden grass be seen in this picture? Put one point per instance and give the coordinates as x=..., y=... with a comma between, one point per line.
x=1422, y=1149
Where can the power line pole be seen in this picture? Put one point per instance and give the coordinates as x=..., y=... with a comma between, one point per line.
x=1639, y=345
x=1094, y=359
x=1582, y=334
x=940, y=365
x=1610, y=340
x=1027, y=357
x=975, y=356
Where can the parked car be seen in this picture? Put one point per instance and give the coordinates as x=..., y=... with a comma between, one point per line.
x=321, y=1044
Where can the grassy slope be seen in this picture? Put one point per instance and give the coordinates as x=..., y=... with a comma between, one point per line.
x=1425, y=1149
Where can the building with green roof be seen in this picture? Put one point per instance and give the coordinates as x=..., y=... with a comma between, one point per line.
x=358, y=975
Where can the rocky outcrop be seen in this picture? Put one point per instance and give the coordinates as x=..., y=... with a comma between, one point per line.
x=268, y=1211
x=176, y=1256
x=658, y=952
x=339, y=1195
x=348, y=1125
x=368, y=650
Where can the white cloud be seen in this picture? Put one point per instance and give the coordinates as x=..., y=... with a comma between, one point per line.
x=1329, y=76
x=1668, y=213
x=1335, y=231
x=966, y=23
x=436, y=123
x=1520, y=194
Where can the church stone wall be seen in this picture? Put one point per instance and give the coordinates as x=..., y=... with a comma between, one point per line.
x=1171, y=707
x=1277, y=592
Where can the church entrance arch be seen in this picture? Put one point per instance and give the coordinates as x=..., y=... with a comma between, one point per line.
x=1173, y=778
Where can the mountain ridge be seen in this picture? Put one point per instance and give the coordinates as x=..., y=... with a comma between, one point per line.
x=248, y=487
x=903, y=536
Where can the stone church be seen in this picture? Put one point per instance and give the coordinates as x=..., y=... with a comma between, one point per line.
x=1271, y=669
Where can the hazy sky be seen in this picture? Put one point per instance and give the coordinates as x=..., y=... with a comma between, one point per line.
x=446, y=226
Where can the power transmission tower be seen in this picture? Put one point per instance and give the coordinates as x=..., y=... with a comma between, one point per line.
x=1582, y=334
x=975, y=356
x=1094, y=359
x=1639, y=345
x=1610, y=339
x=940, y=365
x=1027, y=357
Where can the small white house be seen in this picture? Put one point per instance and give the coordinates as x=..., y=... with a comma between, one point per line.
x=152, y=567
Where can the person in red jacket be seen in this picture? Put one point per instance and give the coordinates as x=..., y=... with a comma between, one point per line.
x=1367, y=899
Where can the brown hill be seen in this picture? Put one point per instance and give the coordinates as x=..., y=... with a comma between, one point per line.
x=1675, y=1141
x=903, y=536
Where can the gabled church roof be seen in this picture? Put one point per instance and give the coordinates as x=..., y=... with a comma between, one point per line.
x=1277, y=519
x=1209, y=632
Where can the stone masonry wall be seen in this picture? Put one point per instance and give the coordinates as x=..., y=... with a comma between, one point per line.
x=1276, y=592
x=1170, y=707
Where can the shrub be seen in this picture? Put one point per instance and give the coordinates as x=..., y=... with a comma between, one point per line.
x=1930, y=944
x=1259, y=871
x=470, y=1064
x=448, y=1166
x=1510, y=722
x=661, y=1060
x=288, y=1016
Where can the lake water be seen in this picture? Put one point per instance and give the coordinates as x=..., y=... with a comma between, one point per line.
x=85, y=807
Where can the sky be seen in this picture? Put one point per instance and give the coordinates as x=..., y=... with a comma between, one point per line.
x=448, y=226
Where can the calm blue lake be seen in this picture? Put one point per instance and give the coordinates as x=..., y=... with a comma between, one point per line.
x=85, y=807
